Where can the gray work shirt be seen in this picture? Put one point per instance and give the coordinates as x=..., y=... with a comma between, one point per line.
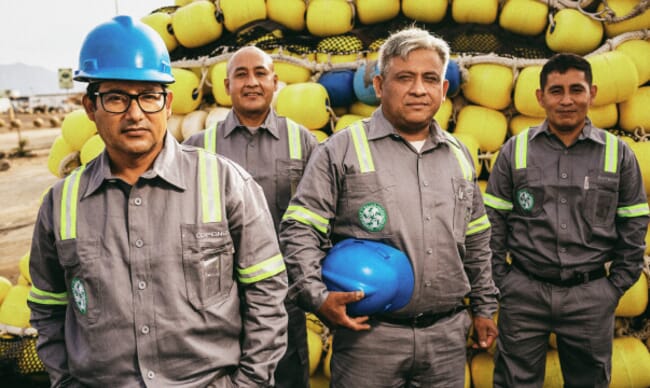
x=265, y=155
x=162, y=301
x=428, y=204
x=567, y=212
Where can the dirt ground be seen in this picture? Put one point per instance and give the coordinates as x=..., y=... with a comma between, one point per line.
x=21, y=186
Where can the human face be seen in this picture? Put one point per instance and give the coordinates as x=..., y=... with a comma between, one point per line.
x=566, y=98
x=412, y=90
x=133, y=134
x=251, y=83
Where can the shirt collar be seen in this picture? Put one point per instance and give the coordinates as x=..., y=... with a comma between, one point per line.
x=165, y=166
x=270, y=124
x=587, y=132
x=382, y=128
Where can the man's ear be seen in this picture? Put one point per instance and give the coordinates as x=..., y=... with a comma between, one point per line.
x=376, y=83
x=226, y=83
x=89, y=107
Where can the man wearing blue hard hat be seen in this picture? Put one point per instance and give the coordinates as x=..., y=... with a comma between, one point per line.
x=155, y=264
x=398, y=199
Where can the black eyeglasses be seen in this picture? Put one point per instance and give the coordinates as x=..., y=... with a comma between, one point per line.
x=119, y=102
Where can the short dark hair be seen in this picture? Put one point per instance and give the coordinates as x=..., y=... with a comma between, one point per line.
x=561, y=63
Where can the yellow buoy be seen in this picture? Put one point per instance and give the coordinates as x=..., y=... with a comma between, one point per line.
x=615, y=75
x=482, y=370
x=339, y=49
x=487, y=125
x=524, y=17
x=520, y=122
x=292, y=67
x=641, y=150
x=174, y=126
x=443, y=115
x=5, y=286
x=289, y=13
x=339, y=20
x=605, y=116
x=553, y=372
x=196, y=24
x=327, y=367
x=162, y=23
x=315, y=347
x=376, y=11
x=14, y=310
x=77, y=128
x=305, y=103
x=426, y=11
x=321, y=136
x=634, y=111
x=474, y=11
x=59, y=151
x=217, y=76
x=630, y=360
x=215, y=115
x=346, y=120
x=552, y=340
x=482, y=184
x=639, y=51
x=91, y=149
x=572, y=31
x=525, y=100
x=237, y=13
x=187, y=91
x=635, y=300
x=489, y=85
x=193, y=122
x=361, y=109
x=647, y=238
x=622, y=8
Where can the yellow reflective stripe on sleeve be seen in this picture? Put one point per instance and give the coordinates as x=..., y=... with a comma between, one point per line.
x=69, y=199
x=210, y=139
x=48, y=298
x=521, y=149
x=307, y=217
x=638, y=210
x=260, y=271
x=209, y=186
x=496, y=202
x=465, y=166
x=362, y=148
x=295, y=149
x=611, y=153
x=478, y=225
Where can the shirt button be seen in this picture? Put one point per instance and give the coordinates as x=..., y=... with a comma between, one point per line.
x=429, y=251
x=427, y=218
x=139, y=243
x=137, y=201
x=142, y=284
x=564, y=175
x=151, y=375
x=145, y=329
x=425, y=183
x=563, y=200
x=427, y=284
x=563, y=226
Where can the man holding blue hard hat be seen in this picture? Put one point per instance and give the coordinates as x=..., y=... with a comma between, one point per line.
x=397, y=197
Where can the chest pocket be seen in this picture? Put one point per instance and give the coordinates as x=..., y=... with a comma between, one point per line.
x=364, y=206
x=463, y=200
x=287, y=177
x=601, y=197
x=528, y=192
x=208, y=256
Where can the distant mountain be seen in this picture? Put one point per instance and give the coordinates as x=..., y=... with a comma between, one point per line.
x=30, y=80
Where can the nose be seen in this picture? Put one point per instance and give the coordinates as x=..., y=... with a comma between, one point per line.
x=417, y=87
x=134, y=111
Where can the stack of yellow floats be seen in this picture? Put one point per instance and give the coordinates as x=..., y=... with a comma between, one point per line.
x=491, y=97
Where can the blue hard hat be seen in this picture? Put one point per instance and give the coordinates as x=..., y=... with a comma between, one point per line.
x=382, y=272
x=124, y=49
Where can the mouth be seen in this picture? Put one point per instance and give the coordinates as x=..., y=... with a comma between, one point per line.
x=134, y=131
x=253, y=94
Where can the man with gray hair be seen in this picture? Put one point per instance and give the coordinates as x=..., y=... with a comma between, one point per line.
x=419, y=183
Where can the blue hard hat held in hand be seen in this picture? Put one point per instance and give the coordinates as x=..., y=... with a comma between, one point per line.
x=383, y=273
x=124, y=49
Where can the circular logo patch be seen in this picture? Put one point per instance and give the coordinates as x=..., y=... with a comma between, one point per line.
x=80, y=295
x=372, y=217
x=525, y=200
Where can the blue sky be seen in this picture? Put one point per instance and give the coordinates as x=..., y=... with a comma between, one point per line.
x=49, y=33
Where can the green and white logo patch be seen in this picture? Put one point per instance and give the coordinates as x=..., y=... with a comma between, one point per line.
x=525, y=199
x=372, y=217
x=80, y=295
